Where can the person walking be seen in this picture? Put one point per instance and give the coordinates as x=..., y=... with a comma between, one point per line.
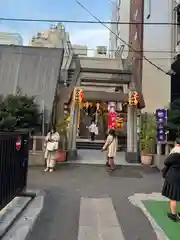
x=93, y=130
x=171, y=174
x=111, y=147
x=51, y=149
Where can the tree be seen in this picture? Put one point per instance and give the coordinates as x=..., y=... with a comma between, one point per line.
x=173, y=120
x=17, y=112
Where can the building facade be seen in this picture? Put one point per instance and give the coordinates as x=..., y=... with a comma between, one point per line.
x=136, y=40
x=114, y=42
x=7, y=38
x=175, y=48
x=141, y=39
x=54, y=37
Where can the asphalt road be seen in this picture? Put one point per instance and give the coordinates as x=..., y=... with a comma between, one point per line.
x=65, y=188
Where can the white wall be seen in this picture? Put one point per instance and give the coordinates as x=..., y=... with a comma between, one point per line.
x=156, y=85
x=157, y=47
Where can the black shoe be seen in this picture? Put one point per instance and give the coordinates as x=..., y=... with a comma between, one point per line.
x=173, y=217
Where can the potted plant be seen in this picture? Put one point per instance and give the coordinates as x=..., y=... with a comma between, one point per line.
x=147, y=138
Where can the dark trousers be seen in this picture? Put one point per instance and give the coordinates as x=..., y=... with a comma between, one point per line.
x=92, y=136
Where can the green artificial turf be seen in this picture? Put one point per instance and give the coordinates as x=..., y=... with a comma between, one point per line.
x=158, y=211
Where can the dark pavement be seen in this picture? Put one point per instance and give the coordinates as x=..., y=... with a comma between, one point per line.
x=65, y=187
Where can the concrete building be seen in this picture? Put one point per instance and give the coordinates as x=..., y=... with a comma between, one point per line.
x=54, y=37
x=148, y=75
x=175, y=48
x=7, y=38
x=33, y=70
x=80, y=50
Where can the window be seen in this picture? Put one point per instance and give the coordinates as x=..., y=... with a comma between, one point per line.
x=135, y=14
x=135, y=36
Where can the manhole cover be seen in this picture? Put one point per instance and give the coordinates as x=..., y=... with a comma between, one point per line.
x=126, y=172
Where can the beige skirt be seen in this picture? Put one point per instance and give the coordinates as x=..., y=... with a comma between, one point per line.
x=51, y=158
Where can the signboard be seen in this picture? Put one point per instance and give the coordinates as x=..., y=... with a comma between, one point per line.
x=18, y=143
x=161, y=120
x=112, y=120
x=111, y=106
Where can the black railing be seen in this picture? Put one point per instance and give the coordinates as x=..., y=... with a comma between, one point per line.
x=13, y=165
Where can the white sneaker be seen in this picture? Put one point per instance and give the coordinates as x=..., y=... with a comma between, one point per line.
x=51, y=170
x=46, y=170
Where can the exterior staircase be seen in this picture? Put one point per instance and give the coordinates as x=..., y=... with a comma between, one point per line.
x=86, y=121
x=94, y=145
x=70, y=76
x=88, y=144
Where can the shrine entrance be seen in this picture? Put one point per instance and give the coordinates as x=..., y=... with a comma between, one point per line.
x=106, y=115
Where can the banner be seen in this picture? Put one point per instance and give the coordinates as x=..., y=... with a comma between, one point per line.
x=161, y=120
x=112, y=120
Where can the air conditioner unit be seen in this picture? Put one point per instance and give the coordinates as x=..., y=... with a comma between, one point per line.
x=102, y=50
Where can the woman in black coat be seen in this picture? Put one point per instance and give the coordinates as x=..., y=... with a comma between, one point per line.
x=171, y=173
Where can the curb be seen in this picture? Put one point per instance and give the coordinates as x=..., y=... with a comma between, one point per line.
x=137, y=200
x=10, y=213
x=24, y=225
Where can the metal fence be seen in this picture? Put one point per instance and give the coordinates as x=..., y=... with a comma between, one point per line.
x=13, y=165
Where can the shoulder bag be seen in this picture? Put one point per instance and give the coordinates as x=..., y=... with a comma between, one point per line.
x=52, y=146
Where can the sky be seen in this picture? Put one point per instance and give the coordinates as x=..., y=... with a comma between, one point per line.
x=91, y=34
x=156, y=37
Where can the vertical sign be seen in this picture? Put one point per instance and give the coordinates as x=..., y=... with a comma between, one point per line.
x=112, y=120
x=111, y=115
x=161, y=120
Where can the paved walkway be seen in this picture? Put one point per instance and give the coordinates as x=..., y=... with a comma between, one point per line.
x=98, y=220
x=88, y=203
x=99, y=158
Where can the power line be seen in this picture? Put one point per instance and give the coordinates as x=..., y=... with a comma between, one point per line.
x=134, y=50
x=85, y=21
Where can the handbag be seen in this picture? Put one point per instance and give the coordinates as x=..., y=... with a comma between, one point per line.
x=52, y=146
x=96, y=131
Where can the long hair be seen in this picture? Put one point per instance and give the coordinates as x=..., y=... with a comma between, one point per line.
x=52, y=128
x=112, y=132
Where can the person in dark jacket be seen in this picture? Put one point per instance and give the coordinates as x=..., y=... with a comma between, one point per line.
x=171, y=173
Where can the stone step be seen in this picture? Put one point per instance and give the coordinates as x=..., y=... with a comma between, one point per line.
x=89, y=145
